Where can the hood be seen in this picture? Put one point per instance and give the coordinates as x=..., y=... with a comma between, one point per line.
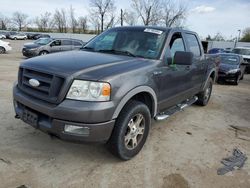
x=85, y=65
x=31, y=45
x=226, y=67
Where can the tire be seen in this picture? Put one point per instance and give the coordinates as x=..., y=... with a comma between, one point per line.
x=15, y=38
x=25, y=38
x=242, y=77
x=237, y=80
x=43, y=53
x=2, y=50
x=205, y=95
x=130, y=131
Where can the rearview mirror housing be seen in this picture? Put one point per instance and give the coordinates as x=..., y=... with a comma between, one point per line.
x=183, y=58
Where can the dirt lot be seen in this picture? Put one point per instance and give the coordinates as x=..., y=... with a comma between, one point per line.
x=183, y=151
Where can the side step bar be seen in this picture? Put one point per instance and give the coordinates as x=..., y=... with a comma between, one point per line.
x=177, y=108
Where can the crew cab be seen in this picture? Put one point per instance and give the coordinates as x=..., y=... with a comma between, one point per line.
x=112, y=89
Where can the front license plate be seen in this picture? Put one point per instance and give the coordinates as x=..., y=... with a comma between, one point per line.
x=30, y=117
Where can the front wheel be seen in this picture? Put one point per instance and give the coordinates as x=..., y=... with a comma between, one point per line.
x=130, y=131
x=204, y=96
x=2, y=50
x=43, y=53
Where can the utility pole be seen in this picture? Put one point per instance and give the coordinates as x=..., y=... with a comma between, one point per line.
x=121, y=17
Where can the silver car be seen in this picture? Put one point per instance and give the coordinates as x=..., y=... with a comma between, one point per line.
x=45, y=46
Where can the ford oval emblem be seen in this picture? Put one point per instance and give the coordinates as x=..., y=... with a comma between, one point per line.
x=34, y=83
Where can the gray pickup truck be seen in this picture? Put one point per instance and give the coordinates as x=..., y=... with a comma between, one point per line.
x=112, y=89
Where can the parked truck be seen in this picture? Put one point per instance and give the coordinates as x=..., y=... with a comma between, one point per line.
x=112, y=89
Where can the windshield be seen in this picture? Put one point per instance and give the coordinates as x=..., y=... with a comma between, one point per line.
x=241, y=51
x=146, y=43
x=230, y=59
x=43, y=41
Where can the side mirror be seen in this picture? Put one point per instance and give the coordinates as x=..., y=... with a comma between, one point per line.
x=183, y=58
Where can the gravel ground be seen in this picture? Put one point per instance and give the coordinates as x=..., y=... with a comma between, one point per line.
x=183, y=151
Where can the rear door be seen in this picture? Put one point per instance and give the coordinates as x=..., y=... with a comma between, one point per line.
x=173, y=80
x=198, y=67
x=67, y=45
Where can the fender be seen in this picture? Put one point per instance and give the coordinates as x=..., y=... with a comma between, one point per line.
x=132, y=93
x=210, y=73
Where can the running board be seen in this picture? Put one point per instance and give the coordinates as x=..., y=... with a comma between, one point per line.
x=177, y=108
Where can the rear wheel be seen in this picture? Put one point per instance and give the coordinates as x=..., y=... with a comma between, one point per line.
x=43, y=53
x=15, y=38
x=204, y=96
x=130, y=131
x=2, y=50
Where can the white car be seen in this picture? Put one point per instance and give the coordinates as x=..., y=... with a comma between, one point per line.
x=2, y=36
x=4, y=47
x=18, y=36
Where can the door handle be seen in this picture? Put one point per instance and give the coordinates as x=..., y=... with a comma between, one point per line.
x=157, y=73
x=188, y=67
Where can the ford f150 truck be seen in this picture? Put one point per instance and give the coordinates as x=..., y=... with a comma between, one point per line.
x=112, y=89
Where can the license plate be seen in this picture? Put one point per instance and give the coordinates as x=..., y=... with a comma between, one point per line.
x=30, y=117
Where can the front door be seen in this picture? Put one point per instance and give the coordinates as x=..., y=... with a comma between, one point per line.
x=173, y=80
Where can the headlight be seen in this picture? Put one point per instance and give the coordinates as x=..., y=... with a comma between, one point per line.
x=89, y=91
x=233, y=71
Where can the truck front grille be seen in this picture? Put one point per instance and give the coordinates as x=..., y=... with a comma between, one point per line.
x=48, y=89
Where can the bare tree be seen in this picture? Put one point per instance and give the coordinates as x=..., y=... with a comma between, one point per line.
x=148, y=10
x=130, y=17
x=72, y=19
x=173, y=13
x=103, y=10
x=44, y=22
x=60, y=20
x=246, y=35
x=20, y=20
x=82, y=23
x=4, y=22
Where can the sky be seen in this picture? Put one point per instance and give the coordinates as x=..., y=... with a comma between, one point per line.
x=206, y=17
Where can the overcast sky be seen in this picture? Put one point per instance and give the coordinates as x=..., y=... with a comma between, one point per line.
x=204, y=16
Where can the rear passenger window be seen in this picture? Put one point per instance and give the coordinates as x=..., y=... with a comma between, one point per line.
x=176, y=44
x=66, y=42
x=193, y=44
x=76, y=43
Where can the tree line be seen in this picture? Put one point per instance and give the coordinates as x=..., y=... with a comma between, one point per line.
x=101, y=15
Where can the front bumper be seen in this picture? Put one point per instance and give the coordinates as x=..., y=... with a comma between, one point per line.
x=29, y=53
x=228, y=76
x=53, y=118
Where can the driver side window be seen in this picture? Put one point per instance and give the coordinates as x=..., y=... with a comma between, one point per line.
x=56, y=43
x=176, y=44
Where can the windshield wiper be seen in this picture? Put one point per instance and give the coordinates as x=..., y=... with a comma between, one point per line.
x=118, y=52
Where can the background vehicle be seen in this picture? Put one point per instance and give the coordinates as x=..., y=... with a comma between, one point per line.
x=9, y=33
x=245, y=52
x=4, y=47
x=231, y=67
x=45, y=46
x=2, y=36
x=18, y=36
x=35, y=37
x=110, y=90
x=31, y=35
x=216, y=51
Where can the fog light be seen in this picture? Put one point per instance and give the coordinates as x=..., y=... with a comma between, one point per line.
x=84, y=131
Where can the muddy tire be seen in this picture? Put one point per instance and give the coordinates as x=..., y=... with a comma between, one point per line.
x=204, y=96
x=130, y=131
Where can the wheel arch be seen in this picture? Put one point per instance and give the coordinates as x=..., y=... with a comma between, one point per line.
x=212, y=74
x=144, y=94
